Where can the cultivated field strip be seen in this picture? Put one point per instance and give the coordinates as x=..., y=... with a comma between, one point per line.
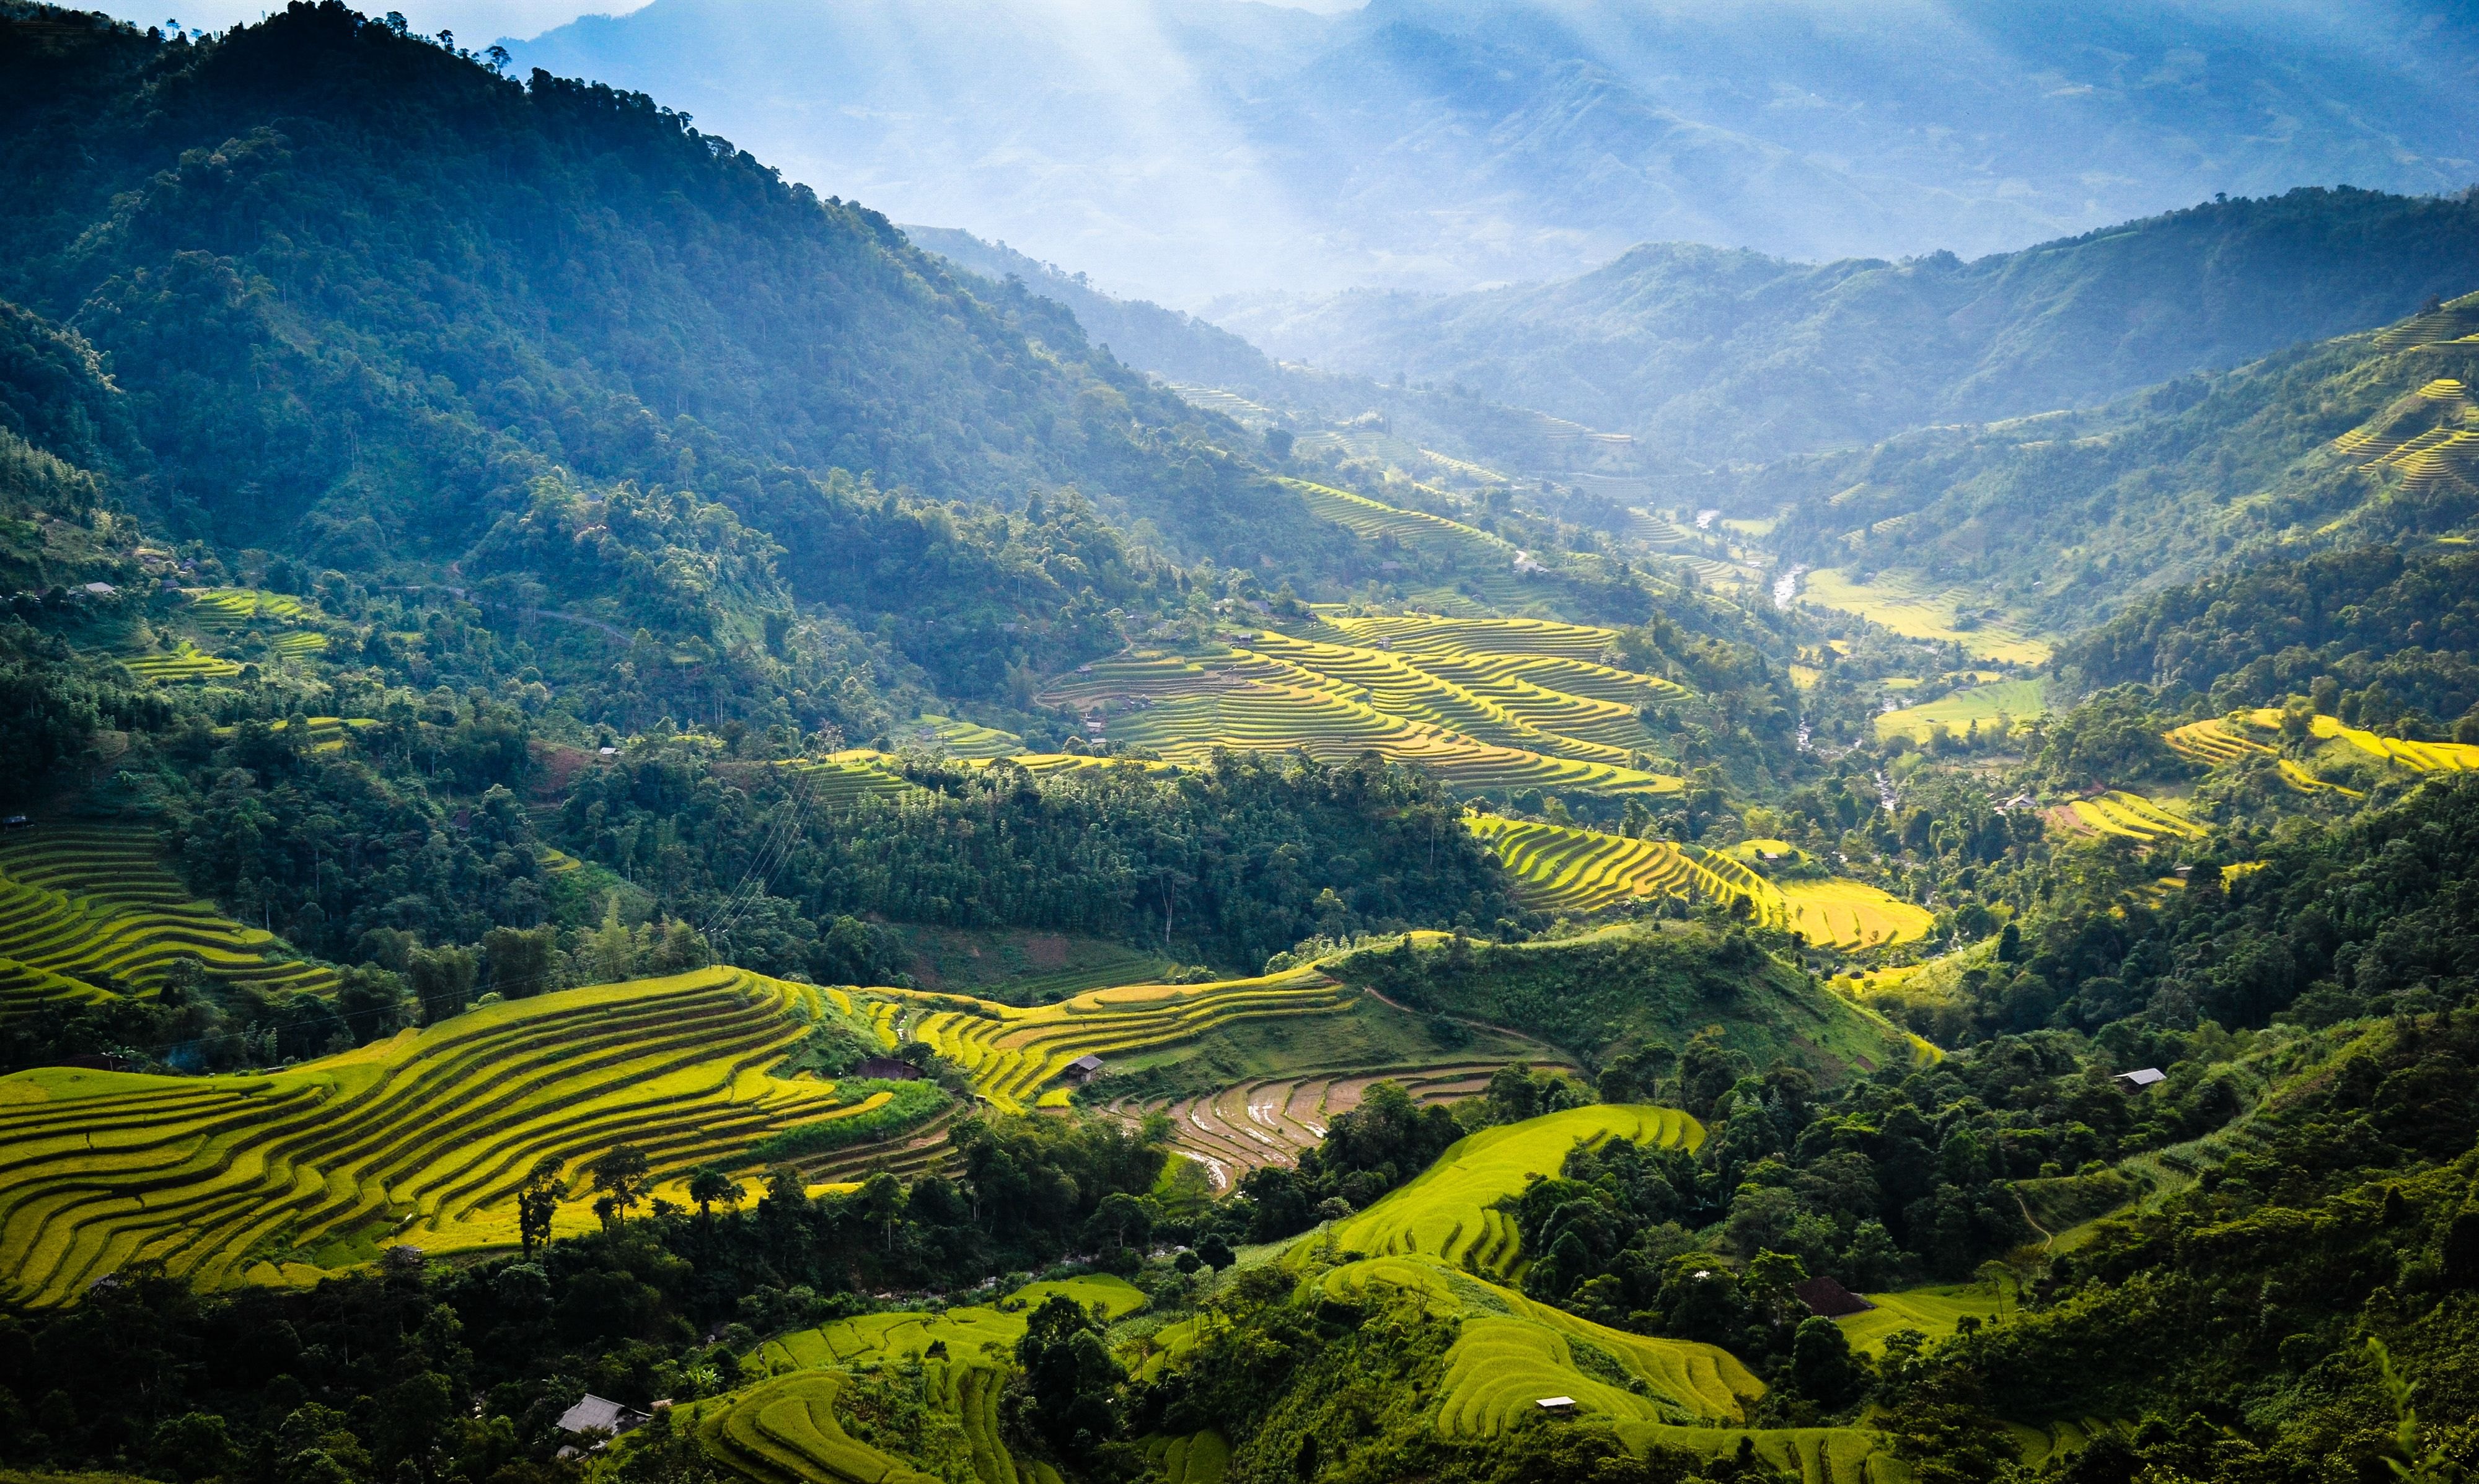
x=88, y=911
x=2212, y=743
x=1270, y=1120
x=1449, y=1212
x=1486, y=704
x=422, y=1140
x=1016, y=1057
x=843, y=780
x=1559, y=868
x=2126, y=815
x=786, y=1429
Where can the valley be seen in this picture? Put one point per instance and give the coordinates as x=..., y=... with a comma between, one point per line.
x=653, y=830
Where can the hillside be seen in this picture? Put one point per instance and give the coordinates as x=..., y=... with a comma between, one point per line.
x=2063, y=519
x=1709, y=355
x=1173, y=346
x=1613, y=992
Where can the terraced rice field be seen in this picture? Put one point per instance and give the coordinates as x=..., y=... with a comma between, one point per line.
x=1447, y=1212
x=1980, y=706
x=1487, y=562
x=1851, y=915
x=785, y=1430
x=841, y=781
x=1934, y=1312
x=1269, y=1120
x=422, y=1140
x=2416, y=757
x=2213, y=743
x=225, y=608
x=1200, y=1458
x=1015, y=1057
x=2430, y=437
x=1921, y=611
x=90, y=910
x=1484, y=704
x=2129, y=815
x=184, y=661
x=1559, y=868
x=956, y=738
x=1512, y=1351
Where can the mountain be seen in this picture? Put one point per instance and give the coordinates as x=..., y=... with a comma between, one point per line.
x=1181, y=149
x=2066, y=517
x=1715, y=355
x=1173, y=346
x=373, y=308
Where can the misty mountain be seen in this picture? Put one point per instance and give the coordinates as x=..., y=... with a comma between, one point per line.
x=1179, y=149
x=1717, y=354
x=1173, y=346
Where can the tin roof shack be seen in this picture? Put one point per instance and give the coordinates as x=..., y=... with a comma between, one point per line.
x=602, y=1420
x=1824, y=1296
x=2141, y=1077
x=1083, y=1069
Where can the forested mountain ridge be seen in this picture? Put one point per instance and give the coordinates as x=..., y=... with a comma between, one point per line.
x=362, y=300
x=1709, y=354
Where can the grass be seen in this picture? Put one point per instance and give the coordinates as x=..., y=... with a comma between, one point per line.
x=1976, y=706
x=1921, y=611
x=88, y=910
x=1487, y=704
x=422, y=1138
x=1449, y=1212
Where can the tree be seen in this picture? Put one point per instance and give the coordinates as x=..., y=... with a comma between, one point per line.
x=710, y=1184
x=1068, y=1390
x=537, y=1200
x=1214, y=1252
x=621, y=1177
x=1822, y=1366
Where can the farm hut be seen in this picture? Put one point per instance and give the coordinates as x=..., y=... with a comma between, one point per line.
x=601, y=1413
x=1557, y=1406
x=1083, y=1069
x=887, y=1069
x=2141, y=1077
x=1823, y=1296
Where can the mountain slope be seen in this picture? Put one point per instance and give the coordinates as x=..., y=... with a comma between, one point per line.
x=1715, y=354
x=1179, y=150
x=2067, y=517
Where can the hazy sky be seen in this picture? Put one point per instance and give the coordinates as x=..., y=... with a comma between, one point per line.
x=475, y=22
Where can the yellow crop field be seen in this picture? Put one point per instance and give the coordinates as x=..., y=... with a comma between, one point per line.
x=2215, y=743
x=1498, y=704
x=1447, y=1212
x=1851, y=915
x=785, y=1430
x=1514, y=1350
x=1921, y=611
x=2129, y=815
x=1980, y=706
x=90, y=910
x=1559, y=868
x=2416, y=757
x=184, y=661
x=1015, y=1057
x=2425, y=436
x=422, y=1138
x=959, y=738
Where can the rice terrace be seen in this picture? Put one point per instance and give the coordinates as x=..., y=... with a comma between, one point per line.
x=1437, y=743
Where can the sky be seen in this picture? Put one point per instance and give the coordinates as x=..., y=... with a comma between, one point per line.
x=475, y=22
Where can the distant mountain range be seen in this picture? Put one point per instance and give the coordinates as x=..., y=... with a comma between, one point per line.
x=1181, y=149
x=1709, y=355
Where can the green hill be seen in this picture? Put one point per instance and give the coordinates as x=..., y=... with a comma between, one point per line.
x=2067, y=517
x=1601, y=994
